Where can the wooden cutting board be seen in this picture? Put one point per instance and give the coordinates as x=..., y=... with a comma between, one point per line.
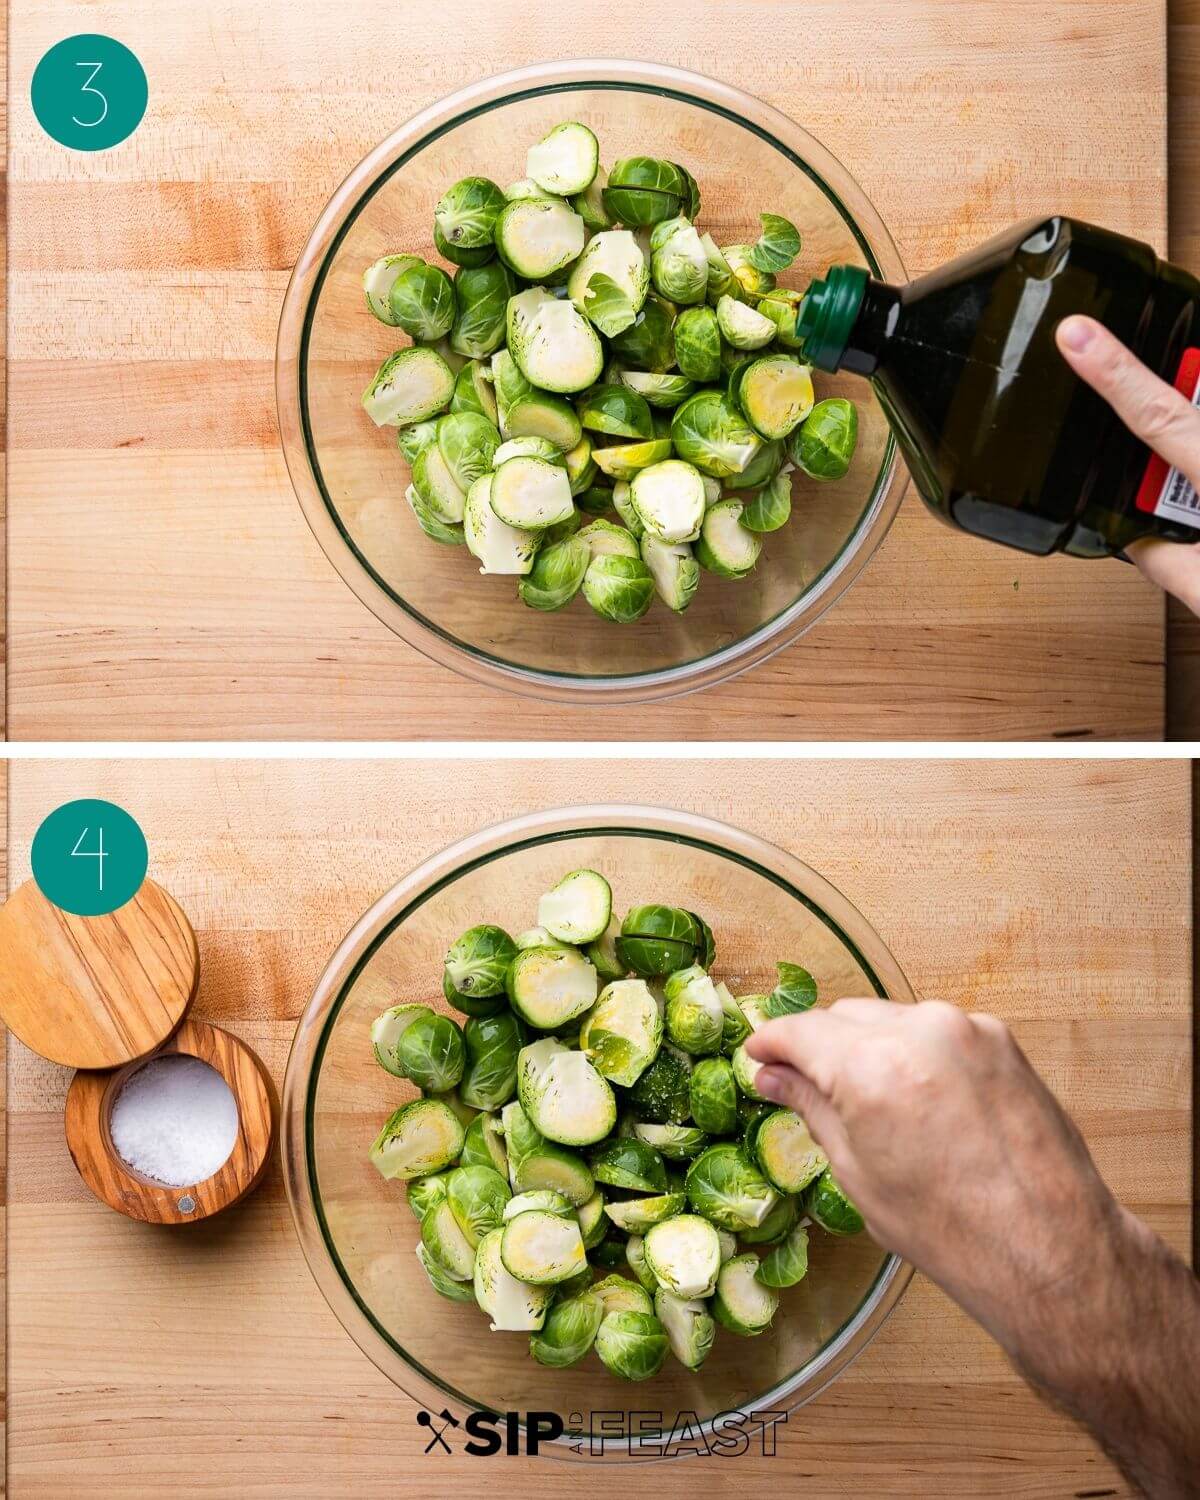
x=1056, y=894
x=163, y=582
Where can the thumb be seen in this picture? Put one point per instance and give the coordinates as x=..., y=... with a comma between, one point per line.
x=1173, y=566
x=783, y=1085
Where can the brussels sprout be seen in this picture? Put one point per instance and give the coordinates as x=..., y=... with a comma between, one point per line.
x=424, y=1193
x=512, y=1305
x=618, y=588
x=787, y=1263
x=499, y=547
x=445, y=1243
x=473, y=391
x=825, y=443
x=545, y=1200
x=422, y=302
x=578, y=909
x=675, y=1142
x=619, y=1294
x=563, y=1095
x=467, y=442
x=754, y=1010
x=378, y=279
x=483, y=1145
x=637, y=1215
x=629, y=1163
x=460, y=255
x=510, y=386
x=623, y=505
x=742, y=1303
x=782, y=307
x=729, y=1244
x=745, y=1070
x=648, y=343
x=657, y=940
x=775, y=393
x=720, y=273
x=795, y=991
x=694, y=1015
x=751, y=282
x=827, y=1205
x=643, y=190
x=569, y=1331
x=481, y=294
x=771, y=507
x=741, y=326
x=531, y=493
x=580, y=465
x=574, y=1286
x=471, y=1005
x=450, y=1098
x=610, y=1252
x=608, y=283
x=697, y=352
x=557, y=574
x=550, y=986
x=593, y=1224
x=684, y=1254
x=441, y=1281
x=663, y=391
x=477, y=1197
x=490, y=1075
x=549, y=1166
x=528, y=446
x=533, y=937
x=541, y=1248
x=436, y=486
x=725, y=546
x=736, y=1028
x=538, y=236
x=775, y=1226
x=725, y=1186
x=675, y=572
x=556, y=348
x=466, y=213
x=478, y=961
x=616, y=410
x=622, y=1033
x=525, y=189
x=412, y=441
x=431, y=1052
x=669, y=498
x=604, y=540
x=632, y=1345
x=386, y=1031
x=678, y=264
x=712, y=1096
x=602, y=954
x=708, y=432
x=761, y=469
x=624, y=460
x=565, y=161
x=410, y=386
x=596, y=500
x=689, y=1328
x=661, y=1094
x=589, y=204
x=777, y=246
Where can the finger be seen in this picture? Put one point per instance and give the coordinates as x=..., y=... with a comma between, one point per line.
x=865, y=1012
x=783, y=1085
x=1148, y=406
x=1173, y=566
x=813, y=1044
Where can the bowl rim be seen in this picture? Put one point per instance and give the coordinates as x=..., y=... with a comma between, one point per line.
x=803, y=150
x=373, y=928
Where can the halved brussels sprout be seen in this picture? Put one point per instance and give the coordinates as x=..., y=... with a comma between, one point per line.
x=550, y=986
x=726, y=547
x=825, y=443
x=697, y=345
x=437, y=487
x=635, y=1259
x=685, y=1255
x=631, y=1164
x=431, y=1052
x=726, y=1187
x=755, y=1010
x=478, y=961
x=771, y=507
x=720, y=273
x=483, y=1145
x=742, y=1303
x=531, y=493
x=446, y=1244
x=378, y=280
x=510, y=386
x=643, y=190
x=569, y=1331
x=602, y=954
x=538, y=236
x=562, y=1093
x=541, y=1248
x=777, y=246
x=616, y=410
x=474, y=391
x=578, y=909
x=619, y=1294
x=669, y=498
x=589, y=204
x=648, y=343
x=545, y=1200
x=787, y=1263
x=423, y=1193
x=442, y=1282
x=565, y=161
x=657, y=940
x=481, y=294
x=661, y=1094
x=713, y=1096
x=741, y=326
x=466, y=213
x=637, y=1215
x=678, y=263
x=675, y=1142
x=632, y=1345
x=499, y=547
x=663, y=391
x=795, y=991
x=467, y=442
x=609, y=281
x=422, y=302
x=593, y=1224
x=471, y=1005
x=618, y=588
x=622, y=1033
x=623, y=505
x=490, y=1075
x=525, y=188
x=528, y=446
x=549, y=418
x=775, y=1226
x=386, y=1031
x=605, y=539
x=533, y=937
x=412, y=441
x=557, y=574
x=550, y=1166
x=688, y=1326
x=580, y=465
x=736, y=1027
x=460, y=255
x=710, y=433
x=775, y=393
x=410, y=386
x=675, y=572
x=694, y=1016
x=556, y=348
x=477, y=1198
x=512, y=1305
x=782, y=306
x=827, y=1205
x=752, y=283
x=745, y=1070
x=623, y=461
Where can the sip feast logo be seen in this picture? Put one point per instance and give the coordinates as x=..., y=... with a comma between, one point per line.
x=634, y=1434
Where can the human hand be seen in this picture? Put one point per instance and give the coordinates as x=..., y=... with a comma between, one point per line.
x=1162, y=418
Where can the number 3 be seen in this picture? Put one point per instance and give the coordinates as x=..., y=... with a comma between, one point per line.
x=88, y=89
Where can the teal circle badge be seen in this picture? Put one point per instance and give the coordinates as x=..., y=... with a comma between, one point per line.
x=89, y=92
x=89, y=857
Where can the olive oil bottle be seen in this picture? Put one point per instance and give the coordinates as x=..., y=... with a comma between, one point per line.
x=1002, y=438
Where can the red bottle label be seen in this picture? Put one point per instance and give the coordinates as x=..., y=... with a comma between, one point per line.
x=1165, y=491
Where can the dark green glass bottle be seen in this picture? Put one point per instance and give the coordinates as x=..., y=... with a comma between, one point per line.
x=1002, y=438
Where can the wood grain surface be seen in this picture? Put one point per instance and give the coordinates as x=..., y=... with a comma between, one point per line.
x=95, y=992
x=1055, y=894
x=163, y=583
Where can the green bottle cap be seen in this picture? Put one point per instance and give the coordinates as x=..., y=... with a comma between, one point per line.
x=827, y=315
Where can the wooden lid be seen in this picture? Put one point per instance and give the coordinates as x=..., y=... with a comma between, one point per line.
x=95, y=992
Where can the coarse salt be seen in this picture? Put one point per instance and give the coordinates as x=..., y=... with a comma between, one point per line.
x=175, y=1120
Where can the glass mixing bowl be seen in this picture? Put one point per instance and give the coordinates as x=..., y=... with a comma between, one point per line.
x=351, y=479
x=357, y=1232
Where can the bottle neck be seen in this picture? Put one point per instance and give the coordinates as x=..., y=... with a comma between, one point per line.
x=845, y=320
x=873, y=328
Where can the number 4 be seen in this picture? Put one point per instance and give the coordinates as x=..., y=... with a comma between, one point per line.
x=88, y=89
x=99, y=854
